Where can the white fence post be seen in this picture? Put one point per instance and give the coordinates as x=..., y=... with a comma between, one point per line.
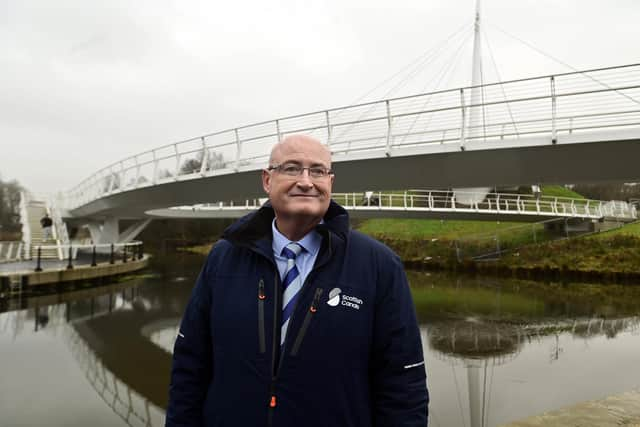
x=554, y=136
x=463, y=124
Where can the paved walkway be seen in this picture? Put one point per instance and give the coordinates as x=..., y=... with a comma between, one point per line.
x=613, y=411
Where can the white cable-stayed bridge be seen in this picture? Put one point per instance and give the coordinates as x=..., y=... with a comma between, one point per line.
x=568, y=128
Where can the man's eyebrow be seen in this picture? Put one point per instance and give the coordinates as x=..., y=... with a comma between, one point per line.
x=298, y=163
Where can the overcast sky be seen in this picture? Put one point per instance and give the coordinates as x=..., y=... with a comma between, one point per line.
x=85, y=83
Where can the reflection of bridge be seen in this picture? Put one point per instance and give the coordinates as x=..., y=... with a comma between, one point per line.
x=133, y=408
x=439, y=204
x=477, y=347
x=574, y=127
x=501, y=340
x=137, y=396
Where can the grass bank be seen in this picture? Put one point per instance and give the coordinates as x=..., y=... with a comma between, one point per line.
x=435, y=244
x=612, y=256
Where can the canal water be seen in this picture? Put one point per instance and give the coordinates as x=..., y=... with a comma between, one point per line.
x=496, y=350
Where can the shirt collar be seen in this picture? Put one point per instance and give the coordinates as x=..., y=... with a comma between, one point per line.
x=310, y=242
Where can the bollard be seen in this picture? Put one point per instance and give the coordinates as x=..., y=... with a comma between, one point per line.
x=93, y=257
x=124, y=254
x=70, y=264
x=38, y=262
x=112, y=258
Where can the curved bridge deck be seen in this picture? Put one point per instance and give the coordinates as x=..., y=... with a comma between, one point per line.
x=566, y=128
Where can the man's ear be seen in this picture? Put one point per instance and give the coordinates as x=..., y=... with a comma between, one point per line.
x=266, y=181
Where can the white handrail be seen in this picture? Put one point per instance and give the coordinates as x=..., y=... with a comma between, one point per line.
x=60, y=233
x=24, y=219
x=582, y=101
x=11, y=251
x=443, y=201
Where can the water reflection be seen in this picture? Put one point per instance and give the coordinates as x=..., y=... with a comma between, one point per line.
x=107, y=333
x=479, y=327
x=496, y=350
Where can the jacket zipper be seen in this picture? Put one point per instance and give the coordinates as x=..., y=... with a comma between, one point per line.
x=313, y=308
x=276, y=329
x=261, y=334
x=275, y=345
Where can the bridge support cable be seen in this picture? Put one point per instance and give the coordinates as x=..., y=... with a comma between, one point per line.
x=447, y=70
x=504, y=95
x=425, y=59
x=420, y=61
x=575, y=70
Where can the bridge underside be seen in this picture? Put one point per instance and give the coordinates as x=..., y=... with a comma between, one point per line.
x=574, y=159
x=362, y=213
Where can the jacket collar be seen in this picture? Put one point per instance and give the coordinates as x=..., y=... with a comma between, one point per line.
x=255, y=229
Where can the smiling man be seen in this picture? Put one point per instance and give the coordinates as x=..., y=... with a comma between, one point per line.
x=297, y=320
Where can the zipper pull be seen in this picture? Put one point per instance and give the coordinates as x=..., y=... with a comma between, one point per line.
x=272, y=404
x=261, y=294
x=316, y=299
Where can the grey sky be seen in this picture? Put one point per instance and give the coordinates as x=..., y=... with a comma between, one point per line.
x=85, y=83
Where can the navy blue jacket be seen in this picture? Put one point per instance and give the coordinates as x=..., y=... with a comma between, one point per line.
x=353, y=355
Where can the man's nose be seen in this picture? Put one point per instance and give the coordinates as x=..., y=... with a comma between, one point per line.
x=304, y=180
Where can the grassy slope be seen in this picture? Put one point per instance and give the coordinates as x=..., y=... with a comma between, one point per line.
x=560, y=191
x=615, y=250
x=409, y=229
x=607, y=252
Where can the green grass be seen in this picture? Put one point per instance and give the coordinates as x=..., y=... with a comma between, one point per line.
x=607, y=252
x=628, y=230
x=560, y=191
x=410, y=229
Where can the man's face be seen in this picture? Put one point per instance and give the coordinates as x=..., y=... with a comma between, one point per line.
x=299, y=197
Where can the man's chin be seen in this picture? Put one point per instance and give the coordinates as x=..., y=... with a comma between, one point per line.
x=306, y=209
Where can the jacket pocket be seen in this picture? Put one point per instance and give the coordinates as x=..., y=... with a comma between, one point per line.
x=313, y=308
x=262, y=346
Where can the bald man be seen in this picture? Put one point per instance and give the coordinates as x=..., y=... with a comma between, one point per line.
x=297, y=320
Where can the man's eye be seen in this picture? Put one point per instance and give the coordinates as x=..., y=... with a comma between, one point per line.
x=291, y=169
x=316, y=171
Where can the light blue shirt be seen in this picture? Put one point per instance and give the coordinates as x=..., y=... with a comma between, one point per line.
x=304, y=261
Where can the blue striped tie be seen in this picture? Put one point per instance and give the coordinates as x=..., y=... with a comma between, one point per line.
x=292, y=283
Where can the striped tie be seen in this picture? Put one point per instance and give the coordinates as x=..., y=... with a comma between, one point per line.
x=292, y=283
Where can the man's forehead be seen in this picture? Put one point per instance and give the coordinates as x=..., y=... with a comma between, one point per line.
x=301, y=148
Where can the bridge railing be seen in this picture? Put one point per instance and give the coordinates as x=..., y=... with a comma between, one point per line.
x=549, y=107
x=11, y=251
x=94, y=254
x=480, y=202
x=493, y=202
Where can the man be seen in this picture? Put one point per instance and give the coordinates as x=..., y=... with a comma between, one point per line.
x=46, y=224
x=296, y=320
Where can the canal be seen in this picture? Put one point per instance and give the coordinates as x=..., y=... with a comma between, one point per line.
x=496, y=350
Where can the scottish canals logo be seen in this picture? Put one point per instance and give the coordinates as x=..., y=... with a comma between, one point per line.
x=336, y=297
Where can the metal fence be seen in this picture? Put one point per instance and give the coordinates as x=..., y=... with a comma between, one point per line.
x=443, y=201
x=92, y=254
x=493, y=245
x=11, y=251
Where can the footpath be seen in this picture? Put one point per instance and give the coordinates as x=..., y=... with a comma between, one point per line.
x=613, y=411
x=19, y=277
